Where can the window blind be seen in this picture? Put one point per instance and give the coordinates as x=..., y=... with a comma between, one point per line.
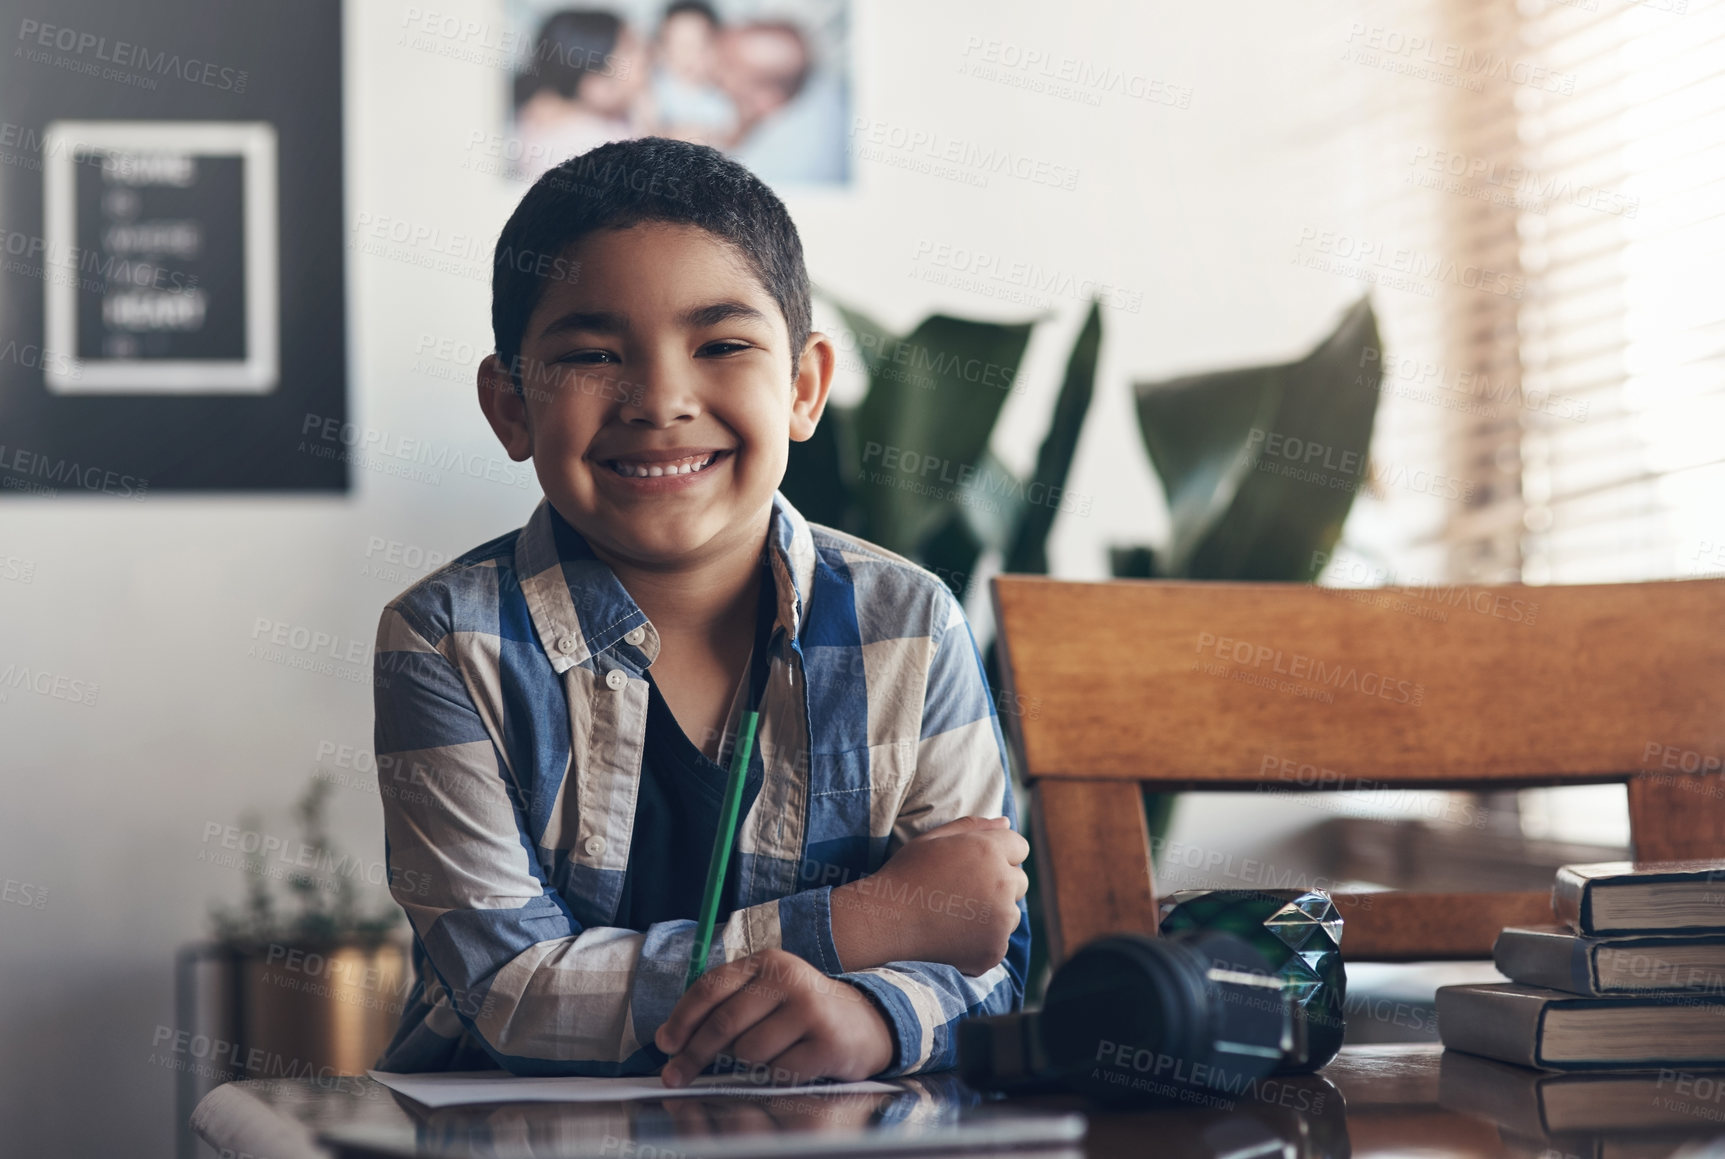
x=1575, y=150
x=1620, y=222
x=1551, y=177
x=1404, y=107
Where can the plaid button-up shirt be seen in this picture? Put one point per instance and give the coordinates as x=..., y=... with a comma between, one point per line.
x=511, y=711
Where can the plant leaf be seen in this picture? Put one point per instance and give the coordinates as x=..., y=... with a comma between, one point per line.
x=873, y=341
x=1236, y=514
x=951, y=551
x=1291, y=509
x=1198, y=432
x=991, y=501
x=1131, y=561
x=931, y=406
x=819, y=472
x=1028, y=551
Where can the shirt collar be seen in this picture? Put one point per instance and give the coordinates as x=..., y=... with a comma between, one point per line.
x=580, y=608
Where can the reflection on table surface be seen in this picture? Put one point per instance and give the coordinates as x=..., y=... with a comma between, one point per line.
x=1372, y=1100
x=685, y=1126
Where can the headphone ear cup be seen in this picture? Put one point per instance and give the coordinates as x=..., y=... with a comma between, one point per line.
x=1133, y=1019
x=1120, y=1012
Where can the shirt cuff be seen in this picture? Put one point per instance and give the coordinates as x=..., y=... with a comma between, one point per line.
x=901, y=1020
x=806, y=928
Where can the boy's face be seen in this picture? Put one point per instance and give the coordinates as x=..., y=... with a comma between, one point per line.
x=663, y=354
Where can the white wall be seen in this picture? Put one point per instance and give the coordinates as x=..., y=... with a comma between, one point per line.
x=106, y=805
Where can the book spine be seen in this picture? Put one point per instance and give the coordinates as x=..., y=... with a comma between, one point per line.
x=1568, y=898
x=1496, y=1026
x=1548, y=960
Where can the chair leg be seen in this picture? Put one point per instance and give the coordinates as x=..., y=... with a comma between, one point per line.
x=1677, y=816
x=1094, y=850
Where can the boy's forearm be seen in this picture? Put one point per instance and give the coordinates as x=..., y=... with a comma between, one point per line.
x=863, y=934
x=870, y=931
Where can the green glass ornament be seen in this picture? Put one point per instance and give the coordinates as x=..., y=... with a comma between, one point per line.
x=1299, y=932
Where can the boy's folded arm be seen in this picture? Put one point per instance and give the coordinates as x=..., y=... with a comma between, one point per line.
x=961, y=771
x=541, y=993
x=961, y=766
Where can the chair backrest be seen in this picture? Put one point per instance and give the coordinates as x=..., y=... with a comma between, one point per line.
x=1213, y=686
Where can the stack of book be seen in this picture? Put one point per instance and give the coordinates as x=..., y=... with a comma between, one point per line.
x=1632, y=978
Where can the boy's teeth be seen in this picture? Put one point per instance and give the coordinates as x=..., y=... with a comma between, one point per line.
x=649, y=471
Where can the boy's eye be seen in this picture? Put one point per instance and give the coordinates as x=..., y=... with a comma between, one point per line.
x=587, y=357
x=724, y=347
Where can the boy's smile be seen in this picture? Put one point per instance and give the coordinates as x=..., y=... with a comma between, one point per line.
x=658, y=403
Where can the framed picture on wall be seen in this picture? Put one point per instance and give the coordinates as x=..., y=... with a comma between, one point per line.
x=162, y=270
x=767, y=81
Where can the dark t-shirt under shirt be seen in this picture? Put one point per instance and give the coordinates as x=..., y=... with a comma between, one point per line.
x=677, y=807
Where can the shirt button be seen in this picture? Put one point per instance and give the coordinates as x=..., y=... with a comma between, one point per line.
x=594, y=845
x=566, y=643
x=615, y=679
x=635, y=635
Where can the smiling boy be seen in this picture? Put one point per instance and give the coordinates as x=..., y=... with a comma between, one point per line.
x=569, y=692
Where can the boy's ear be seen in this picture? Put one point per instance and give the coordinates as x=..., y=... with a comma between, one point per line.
x=813, y=382
x=504, y=409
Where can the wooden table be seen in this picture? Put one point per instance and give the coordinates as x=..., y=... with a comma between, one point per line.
x=1372, y=1100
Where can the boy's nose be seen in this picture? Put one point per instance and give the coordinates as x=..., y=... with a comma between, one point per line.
x=661, y=396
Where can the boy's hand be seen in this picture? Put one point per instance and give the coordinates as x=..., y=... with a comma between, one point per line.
x=775, y=1009
x=948, y=895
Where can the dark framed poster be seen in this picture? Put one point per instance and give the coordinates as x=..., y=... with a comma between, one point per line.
x=172, y=305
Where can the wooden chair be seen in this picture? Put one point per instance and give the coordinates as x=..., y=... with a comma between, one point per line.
x=1213, y=686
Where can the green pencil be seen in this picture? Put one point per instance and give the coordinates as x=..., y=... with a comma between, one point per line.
x=722, y=849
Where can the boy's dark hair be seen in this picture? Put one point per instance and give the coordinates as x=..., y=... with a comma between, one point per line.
x=626, y=183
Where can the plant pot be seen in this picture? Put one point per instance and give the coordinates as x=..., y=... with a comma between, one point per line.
x=313, y=1010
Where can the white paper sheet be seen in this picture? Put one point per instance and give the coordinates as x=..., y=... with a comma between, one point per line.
x=464, y=1088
